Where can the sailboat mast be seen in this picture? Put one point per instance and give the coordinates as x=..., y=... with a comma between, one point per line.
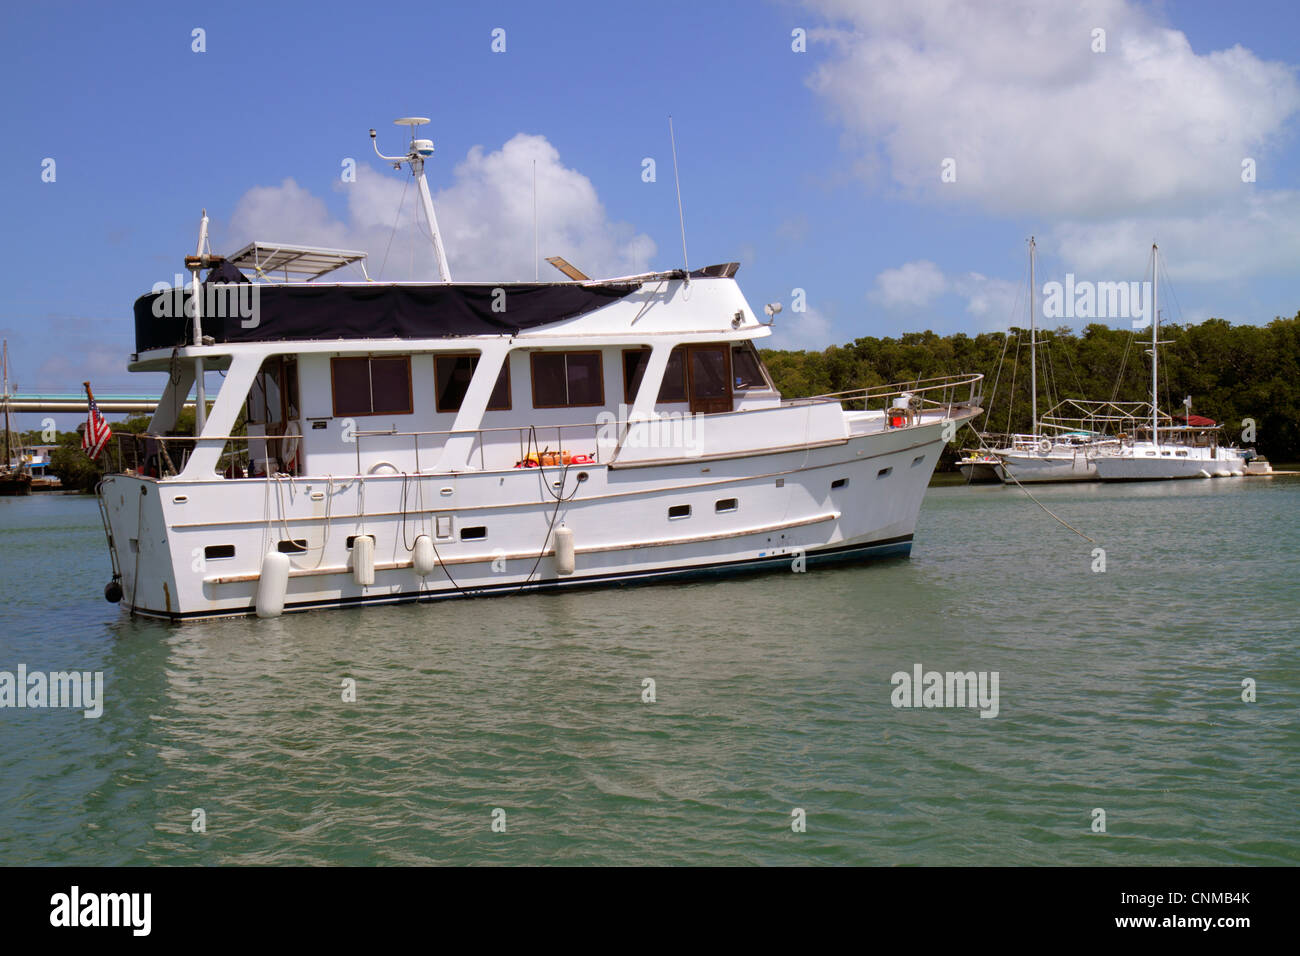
x=1033, y=340
x=1155, y=338
x=6, y=399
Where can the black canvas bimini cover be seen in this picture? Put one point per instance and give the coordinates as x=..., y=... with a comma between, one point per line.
x=246, y=312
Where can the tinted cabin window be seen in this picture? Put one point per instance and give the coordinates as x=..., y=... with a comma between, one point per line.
x=452, y=374
x=671, y=389
x=371, y=386
x=634, y=366
x=746, y=369
x=563, y=379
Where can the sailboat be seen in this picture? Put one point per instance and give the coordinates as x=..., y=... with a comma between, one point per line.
x=1066, y=454
x=1189, y=450
x=15, y=476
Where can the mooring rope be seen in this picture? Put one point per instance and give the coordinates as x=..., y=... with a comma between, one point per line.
x=1007, y=471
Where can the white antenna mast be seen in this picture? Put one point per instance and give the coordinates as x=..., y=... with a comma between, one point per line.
x=681, y=217
x=419, y=151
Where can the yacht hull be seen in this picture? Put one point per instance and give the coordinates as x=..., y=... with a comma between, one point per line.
x=194, y=549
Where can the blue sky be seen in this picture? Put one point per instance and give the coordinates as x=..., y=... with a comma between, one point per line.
x=818, y=170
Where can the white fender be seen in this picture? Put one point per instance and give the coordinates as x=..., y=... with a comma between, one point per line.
x=564, y=550
x=363, y=559
x=272, y=584
x=422, y=556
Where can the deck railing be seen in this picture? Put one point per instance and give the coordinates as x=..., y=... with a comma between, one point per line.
x=941, y=392
x=598, y=442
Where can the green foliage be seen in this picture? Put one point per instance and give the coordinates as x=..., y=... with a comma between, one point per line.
x=1232, y=372
x=73, y=468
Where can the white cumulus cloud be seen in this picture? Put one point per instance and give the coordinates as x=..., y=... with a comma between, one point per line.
x=913, y=284
x=1035, y=120
x=920, y=284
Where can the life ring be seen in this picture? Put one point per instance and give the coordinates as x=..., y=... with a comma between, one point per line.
x=290, y=442
x=383, y=464
x=1044, y=446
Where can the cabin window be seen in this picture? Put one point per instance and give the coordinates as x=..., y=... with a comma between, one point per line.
x=566, y=379
x=724, y=505
x=292, y=546
x=839, y=483
x=371, y=385
x=473, y=534
x=885, y=472
x=214, y=551
x=679, y=511
x=747, y=368
x=671, y=389
x=452, y=374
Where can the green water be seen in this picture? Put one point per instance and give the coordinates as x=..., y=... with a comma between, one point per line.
x=1118, y=690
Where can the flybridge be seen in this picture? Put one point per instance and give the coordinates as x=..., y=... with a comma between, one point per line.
x=303, y=312
x=233, y=309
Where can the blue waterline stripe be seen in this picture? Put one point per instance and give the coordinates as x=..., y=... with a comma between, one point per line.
x=875, y=550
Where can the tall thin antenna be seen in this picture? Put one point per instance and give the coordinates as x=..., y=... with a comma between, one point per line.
x=537, y=262
x=680, y=215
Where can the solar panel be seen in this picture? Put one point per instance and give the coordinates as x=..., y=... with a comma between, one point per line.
x=309, y=262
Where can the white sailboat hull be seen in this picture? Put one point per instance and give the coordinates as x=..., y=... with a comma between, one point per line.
x=1031, y=467
x=1147, y=462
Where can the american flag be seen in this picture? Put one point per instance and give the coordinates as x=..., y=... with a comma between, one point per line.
x=97, y=432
